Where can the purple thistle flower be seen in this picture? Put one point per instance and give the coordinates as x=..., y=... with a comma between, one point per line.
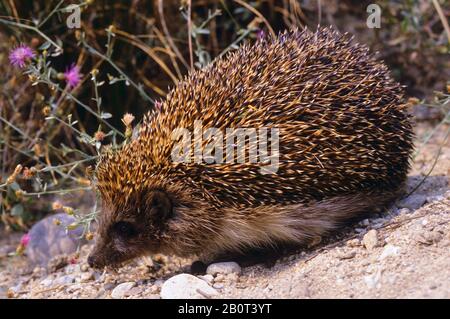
x=72, y=76
x=25, y=240
x=20, y=55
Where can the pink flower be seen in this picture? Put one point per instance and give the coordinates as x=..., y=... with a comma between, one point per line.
x=25, y=240
x=20, y=55
x=72, y=76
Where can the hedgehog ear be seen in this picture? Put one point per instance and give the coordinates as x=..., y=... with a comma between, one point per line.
x=160, y=206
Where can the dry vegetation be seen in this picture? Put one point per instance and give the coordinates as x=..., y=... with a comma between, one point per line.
x=129, y=54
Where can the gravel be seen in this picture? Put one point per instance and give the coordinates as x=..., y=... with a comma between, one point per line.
x=389, y=250
x=223, y=268
x=121, y=290
x=370, y=240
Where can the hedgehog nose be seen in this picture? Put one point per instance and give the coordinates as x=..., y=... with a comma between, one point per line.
x=91, y=261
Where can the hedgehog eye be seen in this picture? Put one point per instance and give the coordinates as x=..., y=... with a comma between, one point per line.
x=125, y=229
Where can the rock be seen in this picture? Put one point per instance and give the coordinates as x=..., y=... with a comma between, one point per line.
x=219, y=278
x=185, y=286
x=57, y=262
x=232, y=277
x=48, y=240
x=404, y=211
x=429, y=237
x=365, y=222
x=412, y=202
x=6, y=250
x=370, y=240
x=372, y=281
x=354, y=243
x=87, y=276
x=47, y=282
x=218, y=286
x=447, y=194
x=432, y=199
x=134, y=291
x=347, y=255
x=389, y=250
x=121, y=290
x=223, y=268
x=109, y=286
x=64, y=280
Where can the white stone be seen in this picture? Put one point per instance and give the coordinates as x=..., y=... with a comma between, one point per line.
x=120, y=291
x=185, y=286
x=389, y=250
x=370, y=239
x=223, y=268
x=47, y=282
x=64, y=280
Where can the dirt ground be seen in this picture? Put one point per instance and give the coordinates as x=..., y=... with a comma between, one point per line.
x=402, y=253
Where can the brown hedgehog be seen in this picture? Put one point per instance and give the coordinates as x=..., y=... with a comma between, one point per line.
x=344, y=143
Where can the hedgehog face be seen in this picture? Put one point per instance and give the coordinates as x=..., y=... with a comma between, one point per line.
x=130, y=230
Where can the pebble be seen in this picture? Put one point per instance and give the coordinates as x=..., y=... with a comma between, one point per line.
x=372, y=281
x=412, y=202
x=185, y=286
x=121, y=290
x=223, y=268
x=232, y=277
x=88, y=276
x=47, y=282
x=57, y=262
x=447, y=194
x=134, y=291
x=354, y=243
x=347, y=255
x=365, y=222
x=404, y=211
x=218, y=286
x=64, y=280
x=431, y=199
x=208, y=278
x=429, y=237
x=389, y=250
x=370, y=240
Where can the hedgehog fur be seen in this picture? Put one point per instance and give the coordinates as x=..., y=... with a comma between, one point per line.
x=345, y=140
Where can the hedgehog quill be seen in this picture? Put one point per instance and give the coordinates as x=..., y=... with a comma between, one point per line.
x=345, y=141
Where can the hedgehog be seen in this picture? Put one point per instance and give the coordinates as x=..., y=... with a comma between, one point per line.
x=344, y=148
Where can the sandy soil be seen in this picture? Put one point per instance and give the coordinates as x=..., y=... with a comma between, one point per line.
x=402, y=253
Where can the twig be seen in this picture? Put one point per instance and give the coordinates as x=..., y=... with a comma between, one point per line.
x=167, y=33
x=191, y=54
x=107, y=59
x=25, y=26
x=257, y=13
x=443, y=19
